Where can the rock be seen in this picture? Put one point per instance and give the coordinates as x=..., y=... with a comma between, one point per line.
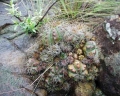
x=108, y=35
x=41, y=92
x=112, y=31
x=112, y=28
x=109, y=78
x=12, y=65
x=6, y=19
x=113, y=61
x=5, y=45
x=23, y=41
x=84, y=89
x=13, y=56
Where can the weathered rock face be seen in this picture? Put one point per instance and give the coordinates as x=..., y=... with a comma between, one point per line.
x=13, y=57
x=109, y=78
x=12, y=63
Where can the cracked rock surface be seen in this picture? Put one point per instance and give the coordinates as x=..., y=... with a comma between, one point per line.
x=13, y=56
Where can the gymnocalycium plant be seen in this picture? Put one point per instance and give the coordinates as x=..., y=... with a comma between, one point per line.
x=30, y=23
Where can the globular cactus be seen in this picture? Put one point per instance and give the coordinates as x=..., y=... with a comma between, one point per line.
x=66, y=47
x=44, y=56
x=54, y=50
x=54, y=79
x=31, y=66
x=77, y=70
x=93, y=73
x=50, y=52
x=91, y=51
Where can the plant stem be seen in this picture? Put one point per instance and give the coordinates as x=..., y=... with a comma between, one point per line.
x=18, y=18
x=45, y=13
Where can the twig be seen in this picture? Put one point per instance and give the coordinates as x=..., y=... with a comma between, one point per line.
x=42, y=74
x=18, y=18
x=45, y=13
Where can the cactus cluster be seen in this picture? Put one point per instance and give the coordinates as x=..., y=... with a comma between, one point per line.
x=74, y=58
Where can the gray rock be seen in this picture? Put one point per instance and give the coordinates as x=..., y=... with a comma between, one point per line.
x=5, y=45
x=109, y=77
x=7, y=18
x=113, y=32
x=12, y=62
x=114, y=62
x=13, y=50
x=24, y=41
x=41, y=92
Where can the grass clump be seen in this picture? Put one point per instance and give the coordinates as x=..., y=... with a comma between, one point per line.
x=67, y=8
x=85, y=8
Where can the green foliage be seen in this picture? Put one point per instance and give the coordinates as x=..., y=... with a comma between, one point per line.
x=59, y=35
x=51, y=37
x=28, y=25
x=85, y=8
x=63, y=55
x=70, y=8
x=12, y=9
x=105, y=7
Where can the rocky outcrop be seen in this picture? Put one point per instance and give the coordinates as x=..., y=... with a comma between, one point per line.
x=108, y=39
x=15, y=47
x=109, y=78
x=12, y=62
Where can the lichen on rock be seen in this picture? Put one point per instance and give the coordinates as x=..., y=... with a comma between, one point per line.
x=113, y=61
